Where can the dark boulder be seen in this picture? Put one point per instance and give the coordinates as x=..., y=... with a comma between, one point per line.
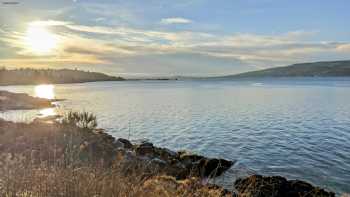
x=107, y=137
x=145, y=149
x=190, y=159
x=145, y=143
x=276, y=186
x=124, y=143
x=155, y=160
x=200, y=166
x=214, y=167
x=166, y=154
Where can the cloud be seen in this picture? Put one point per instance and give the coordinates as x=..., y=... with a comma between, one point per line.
x=49, y=23
x=344, y=47
x=130, y=49
x=176, y=20
x=99, y=19
x=134, y=36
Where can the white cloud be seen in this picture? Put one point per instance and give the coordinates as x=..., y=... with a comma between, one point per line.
x=140, y=36
x=134, y=49
x=176, y=20
x=49, y=23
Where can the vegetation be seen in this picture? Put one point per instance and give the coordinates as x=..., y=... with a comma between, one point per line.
x=317, y=69
x=39, y=76
x=84, y=120
x=73, y=159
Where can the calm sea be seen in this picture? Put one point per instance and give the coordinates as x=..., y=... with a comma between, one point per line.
x=298, y=128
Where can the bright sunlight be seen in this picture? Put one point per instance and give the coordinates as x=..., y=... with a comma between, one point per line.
x=39, y=39
x=45, y=91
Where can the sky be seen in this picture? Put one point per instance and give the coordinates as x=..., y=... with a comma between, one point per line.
x=172, y=37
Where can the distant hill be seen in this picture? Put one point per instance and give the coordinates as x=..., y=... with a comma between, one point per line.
x=316, y=69
x=39, y=76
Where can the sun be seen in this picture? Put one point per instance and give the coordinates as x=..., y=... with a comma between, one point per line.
x=40, y=40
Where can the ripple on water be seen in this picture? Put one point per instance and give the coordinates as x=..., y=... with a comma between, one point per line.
x=296, y=130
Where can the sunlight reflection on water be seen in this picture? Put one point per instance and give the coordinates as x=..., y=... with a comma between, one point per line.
x=45, y=91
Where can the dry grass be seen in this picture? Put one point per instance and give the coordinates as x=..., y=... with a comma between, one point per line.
x=62, y=159
x=21, y=179
x=24, y=181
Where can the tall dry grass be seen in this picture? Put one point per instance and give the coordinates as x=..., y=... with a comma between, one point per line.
x=71, y=159
x=20, y=178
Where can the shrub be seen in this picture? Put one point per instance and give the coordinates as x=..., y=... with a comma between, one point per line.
x=83, y=120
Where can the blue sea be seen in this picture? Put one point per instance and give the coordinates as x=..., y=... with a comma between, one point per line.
x=294, y=127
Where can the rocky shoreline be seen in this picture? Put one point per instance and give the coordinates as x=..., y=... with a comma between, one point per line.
x=158, y=165
x=162, y=170
x=182, y=165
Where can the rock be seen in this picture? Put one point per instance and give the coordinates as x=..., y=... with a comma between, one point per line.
x=189, y=156
x=189, y=159
x=124, y=143
x=109, y=138
x=276, y=186
x=214, y=167
x=145, y=143
x=177, y=170
x=158, y=163
x=128, y=162
x=145, y=149
x=153, y=160
x=166, y=154
x=126, y=156
x=204, y=167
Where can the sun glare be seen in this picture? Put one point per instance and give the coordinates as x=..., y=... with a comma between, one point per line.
x=45, y=91
x=40, y=40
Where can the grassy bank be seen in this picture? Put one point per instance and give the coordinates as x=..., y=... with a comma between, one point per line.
x=72, y=158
